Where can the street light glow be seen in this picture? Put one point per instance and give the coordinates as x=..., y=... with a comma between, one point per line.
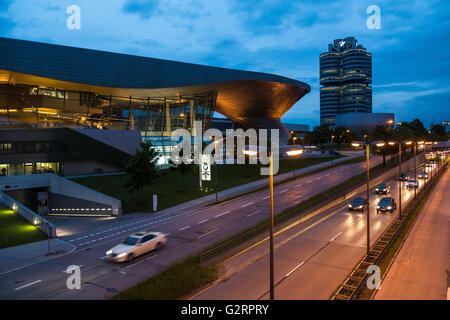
x=250, y=152
x=294, y=152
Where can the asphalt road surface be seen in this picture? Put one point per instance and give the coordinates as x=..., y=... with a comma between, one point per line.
x=189, y=231
x=421, y=270
x=311, y=259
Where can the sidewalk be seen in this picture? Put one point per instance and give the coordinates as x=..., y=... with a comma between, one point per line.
x=19, y=257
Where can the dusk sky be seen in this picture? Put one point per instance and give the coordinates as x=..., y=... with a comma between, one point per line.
x=411, y=53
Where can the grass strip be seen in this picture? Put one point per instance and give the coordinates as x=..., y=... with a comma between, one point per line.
x=175, y=282
x=15, y=230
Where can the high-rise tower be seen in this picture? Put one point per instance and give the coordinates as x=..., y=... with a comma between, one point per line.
x=345, y=77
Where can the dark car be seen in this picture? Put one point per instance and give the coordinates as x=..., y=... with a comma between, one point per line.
x=404, y=177
x=357, y=204
x=334, y=153
x=382, y=188
x=386, y=204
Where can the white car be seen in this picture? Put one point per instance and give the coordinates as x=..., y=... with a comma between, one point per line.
x=412, y=183
x=137, y=244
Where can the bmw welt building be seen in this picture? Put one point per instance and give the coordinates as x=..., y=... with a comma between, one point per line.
x=52, y=87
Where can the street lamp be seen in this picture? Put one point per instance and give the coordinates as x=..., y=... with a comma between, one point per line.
x=292, y=152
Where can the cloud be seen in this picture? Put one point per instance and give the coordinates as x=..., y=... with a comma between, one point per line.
x=142, y=7
x=410, y=57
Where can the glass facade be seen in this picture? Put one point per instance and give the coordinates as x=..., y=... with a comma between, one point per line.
x=345, y=76
x=48, y=107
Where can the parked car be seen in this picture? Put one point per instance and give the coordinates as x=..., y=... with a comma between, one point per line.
x=386, y=204
x=334, y=153
x=382, y=188
x=137, y=244
x=412, y=183
x=423, y=175
x=404, y=177
x=357, y=204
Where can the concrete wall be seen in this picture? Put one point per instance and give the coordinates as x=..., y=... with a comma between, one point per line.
x=69, y=188
x=81, y=167
x=46, y=226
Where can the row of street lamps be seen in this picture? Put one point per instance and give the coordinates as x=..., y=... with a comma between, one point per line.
x=296, y=152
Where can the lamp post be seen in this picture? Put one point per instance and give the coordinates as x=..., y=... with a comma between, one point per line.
x=367, y=145
x=293, y=152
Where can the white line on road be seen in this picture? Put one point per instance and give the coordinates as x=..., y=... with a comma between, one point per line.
x=248, y=204
x=299, y=185
x=253, y=213
x=29, y=284
x=334, y=238
x=293, y=270
x=184, y=228
x=141, y=261
x=266, y=197
x=318, y=178
x=205, y=234
x=327, y=175
x=219, y=215
x=203, y=221
x=104, y=257
x=284, y=191
x=309, y=181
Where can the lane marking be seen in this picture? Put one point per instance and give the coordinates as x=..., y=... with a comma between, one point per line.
x=203, y=221
x=253, y=213
x=284, y=191
x=293, y=270
x=309, y=181
x=334, y=238
x=318, y=178
x=299, y=185
x=104, y=257
x=131, y=265
x=266, y=197
x=184, y=228
x=327, y=175
x=205, y=234
x=219, y=215
x=248, y=204
x=29, y=284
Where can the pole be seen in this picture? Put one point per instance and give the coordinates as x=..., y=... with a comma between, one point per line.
x=217, y=178
x=400, y=180
x=48, y=233
x=293, y=162
x=415, y=178
x=368, y=203
x=272, y=289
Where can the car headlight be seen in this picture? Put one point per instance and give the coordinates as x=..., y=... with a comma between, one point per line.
x=349, y=205
x=389, y=208
x=122, y=255
x=378, y=207
x=109, y=252
x=360, y=206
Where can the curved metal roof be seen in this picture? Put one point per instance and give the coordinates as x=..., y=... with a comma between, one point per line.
x=108, y=69
x=252, y=99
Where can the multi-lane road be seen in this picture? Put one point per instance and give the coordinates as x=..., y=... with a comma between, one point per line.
x=311, y=259
x=189, y=231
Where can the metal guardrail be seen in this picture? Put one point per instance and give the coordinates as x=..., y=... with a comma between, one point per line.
x=357, y=277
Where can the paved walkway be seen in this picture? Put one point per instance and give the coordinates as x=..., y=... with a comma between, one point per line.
x=18, y=257
x=422, y=268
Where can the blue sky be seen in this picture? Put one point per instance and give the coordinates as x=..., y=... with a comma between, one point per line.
x=411, y=53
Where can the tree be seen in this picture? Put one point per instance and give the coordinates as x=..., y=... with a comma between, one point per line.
x=438, y=133
x=183, y=168
x=403, y=133
x=142, y=169
x=342, y=135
